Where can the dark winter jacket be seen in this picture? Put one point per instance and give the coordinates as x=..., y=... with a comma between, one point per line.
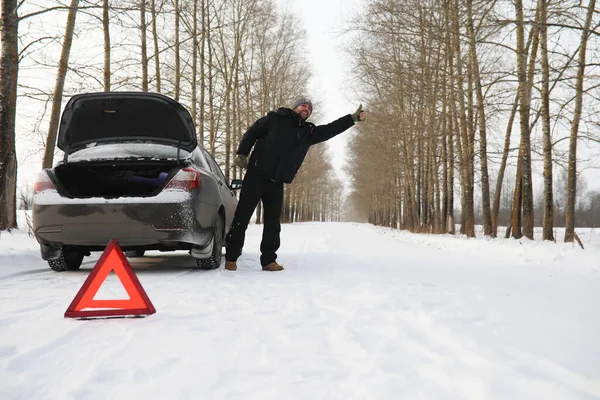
x=281, y=140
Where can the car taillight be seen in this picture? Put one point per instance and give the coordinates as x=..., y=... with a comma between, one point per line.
x=186, y=179
x=43, y=183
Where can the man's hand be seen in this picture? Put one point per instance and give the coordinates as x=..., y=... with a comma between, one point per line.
x=359, y=114
x=241, y=161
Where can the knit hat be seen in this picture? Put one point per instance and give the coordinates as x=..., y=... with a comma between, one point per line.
x=302, y=100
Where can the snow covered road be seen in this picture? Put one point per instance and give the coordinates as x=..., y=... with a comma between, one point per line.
x=359, y=313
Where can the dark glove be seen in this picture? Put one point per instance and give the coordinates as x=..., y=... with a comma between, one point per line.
x=241, y=161
x=359, y=114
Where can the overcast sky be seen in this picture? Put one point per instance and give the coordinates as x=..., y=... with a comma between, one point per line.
x=324, y=21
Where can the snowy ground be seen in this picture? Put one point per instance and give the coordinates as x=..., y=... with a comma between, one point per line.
x=359, y=313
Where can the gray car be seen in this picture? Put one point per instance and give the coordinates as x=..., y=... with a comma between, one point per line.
x=132, y=171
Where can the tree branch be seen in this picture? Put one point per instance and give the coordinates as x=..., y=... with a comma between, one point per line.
x=554, y=25
x=62, y=8
x=21, y=53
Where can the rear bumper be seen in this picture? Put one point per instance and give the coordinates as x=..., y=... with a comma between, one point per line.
x=167, y=221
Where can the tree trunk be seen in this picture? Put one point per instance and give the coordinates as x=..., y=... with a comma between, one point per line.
x=450, y=224
x=228, y=140
x=155, y=40
x=500, y=179
x=522, y=199
x=258, y=219
x=106, y=31
x=411, y=188
x=501, y=170
x=485, y=184
x=193, y=107
x=450, y=100
x=177, y=53
x=444, y=161
x=516, y=221
x=236, y=114
x=9, y=67
x=467, y=211
x=211, y=94
x=144, y=45
x=201, y=113
x=524, y=108
x=572, y=177
x=61, y=75
x=548, y=221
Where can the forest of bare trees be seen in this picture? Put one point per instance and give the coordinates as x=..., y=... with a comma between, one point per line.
x=472, y=104
x=229, y=62
x=460, y=93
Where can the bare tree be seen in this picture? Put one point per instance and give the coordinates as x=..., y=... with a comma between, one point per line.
x=503, y=162
x=194, y=107
x=572, y=185
x=153, y=12
x=480, y=111
x=548, y=221
x=106, y=31
x=203, y=38
x=61, y=75
x=177, y=46
x=468, y=226
x=8, y=101
x=144, y=45
x=524, y=185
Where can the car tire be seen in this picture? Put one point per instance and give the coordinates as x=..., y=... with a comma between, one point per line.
x=69, y=260
x=214, y=261
x=134, y=253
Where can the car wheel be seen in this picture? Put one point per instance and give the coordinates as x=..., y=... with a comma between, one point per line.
x=134, y=253
x=214, y=261
x=69, y=260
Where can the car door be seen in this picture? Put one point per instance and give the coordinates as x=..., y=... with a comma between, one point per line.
x=228, y=195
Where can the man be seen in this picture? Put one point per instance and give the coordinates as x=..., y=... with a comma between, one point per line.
x=281, y=140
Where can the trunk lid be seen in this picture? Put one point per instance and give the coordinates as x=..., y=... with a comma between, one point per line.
x=91, y=118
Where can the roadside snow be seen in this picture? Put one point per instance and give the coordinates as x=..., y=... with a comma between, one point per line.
x=360, y=312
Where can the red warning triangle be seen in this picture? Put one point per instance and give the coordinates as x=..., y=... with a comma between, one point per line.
x=112, y=259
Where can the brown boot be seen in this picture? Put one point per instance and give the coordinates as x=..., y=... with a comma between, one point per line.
x=230, y=265
x=273, y=267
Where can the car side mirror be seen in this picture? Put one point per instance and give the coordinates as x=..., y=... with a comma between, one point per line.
x=236, y=184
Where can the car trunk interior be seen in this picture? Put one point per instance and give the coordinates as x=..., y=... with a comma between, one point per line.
x=80, y=180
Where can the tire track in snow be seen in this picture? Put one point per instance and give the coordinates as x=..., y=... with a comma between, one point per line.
x=314, y=246
x=40, y=271
x=304, y=253
x=93, y=363
x=555, y=373
x=104, y=368
x=23, y=361
x=375, y=336
x=363, y=318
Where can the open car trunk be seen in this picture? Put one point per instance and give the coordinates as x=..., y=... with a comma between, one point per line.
x=104, y=117
x=112, y=180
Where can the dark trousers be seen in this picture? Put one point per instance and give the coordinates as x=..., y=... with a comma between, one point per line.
x=254, y=189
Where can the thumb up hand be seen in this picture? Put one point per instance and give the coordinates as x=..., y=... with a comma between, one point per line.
x=359, y=114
